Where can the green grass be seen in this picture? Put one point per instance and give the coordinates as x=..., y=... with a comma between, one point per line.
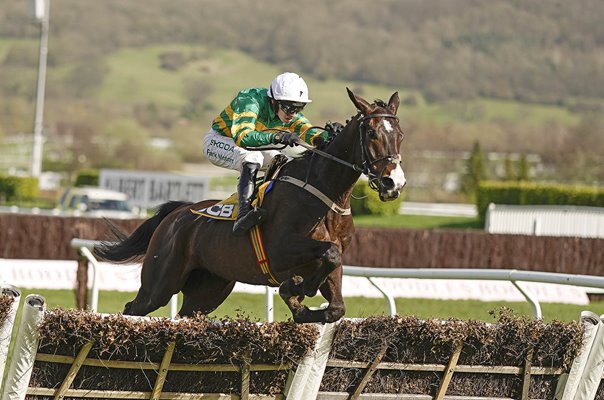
x=135, y=76
x=485, y=110
x=253, y=306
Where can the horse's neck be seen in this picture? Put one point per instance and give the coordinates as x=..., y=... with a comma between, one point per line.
x=335, y=177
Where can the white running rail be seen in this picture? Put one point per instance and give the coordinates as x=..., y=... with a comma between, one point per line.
x=511, y=275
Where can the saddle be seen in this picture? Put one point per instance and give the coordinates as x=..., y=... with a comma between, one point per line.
x=228, y=208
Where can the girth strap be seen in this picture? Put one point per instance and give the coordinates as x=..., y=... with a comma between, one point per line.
x=310, y=188
x=261, y=258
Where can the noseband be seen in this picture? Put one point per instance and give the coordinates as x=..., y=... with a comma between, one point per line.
x=375, y=181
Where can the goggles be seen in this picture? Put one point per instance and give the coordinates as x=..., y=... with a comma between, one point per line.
x=289, y=107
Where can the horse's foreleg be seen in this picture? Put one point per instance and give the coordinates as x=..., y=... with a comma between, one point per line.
x=292, y=293
x=295, y=289
x=330, y=261
x=331, y=289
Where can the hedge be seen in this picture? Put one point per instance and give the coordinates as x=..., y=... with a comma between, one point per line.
x=529, y=193
x=18, y=188
x=87, y=178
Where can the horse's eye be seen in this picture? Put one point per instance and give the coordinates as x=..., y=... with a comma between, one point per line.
x=372, y=133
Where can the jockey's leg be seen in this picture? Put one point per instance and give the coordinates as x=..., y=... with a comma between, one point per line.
x=248, y=216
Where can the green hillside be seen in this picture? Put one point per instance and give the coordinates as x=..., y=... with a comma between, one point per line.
x=520, y=78
x=134, y=76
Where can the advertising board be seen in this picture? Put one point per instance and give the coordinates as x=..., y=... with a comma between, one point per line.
x=147, y=189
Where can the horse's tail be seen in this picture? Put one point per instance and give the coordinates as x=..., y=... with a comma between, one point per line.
x=132, y=248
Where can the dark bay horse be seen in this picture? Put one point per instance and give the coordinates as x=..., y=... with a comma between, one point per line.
x=305, y=233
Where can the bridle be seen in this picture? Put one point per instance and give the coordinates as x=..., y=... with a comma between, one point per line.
x=366, y=158
x=375, y=182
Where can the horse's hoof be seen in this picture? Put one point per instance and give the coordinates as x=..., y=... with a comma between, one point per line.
x=302, y=315
x=333, y=315
x=127, y=308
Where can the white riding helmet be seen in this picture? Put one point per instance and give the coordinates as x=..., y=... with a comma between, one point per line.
x=289, y=87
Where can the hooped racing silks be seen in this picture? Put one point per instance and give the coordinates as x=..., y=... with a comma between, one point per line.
x=251, y=123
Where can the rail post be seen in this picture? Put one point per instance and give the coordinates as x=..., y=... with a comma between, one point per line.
x=26, y=347
x=6, y=329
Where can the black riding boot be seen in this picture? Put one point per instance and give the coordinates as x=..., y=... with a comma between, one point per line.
x=248, y=216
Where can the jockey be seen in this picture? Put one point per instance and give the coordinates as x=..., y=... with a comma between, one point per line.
x=243, y=133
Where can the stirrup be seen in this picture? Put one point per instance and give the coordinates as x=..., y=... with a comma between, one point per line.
x=254, y=217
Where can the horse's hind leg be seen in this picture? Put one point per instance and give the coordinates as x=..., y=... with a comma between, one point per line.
x=145, y=303
x=158, y=284
x=204, y=292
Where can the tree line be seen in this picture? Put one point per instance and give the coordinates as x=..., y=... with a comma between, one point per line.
x=546, y=52
x=449, y=51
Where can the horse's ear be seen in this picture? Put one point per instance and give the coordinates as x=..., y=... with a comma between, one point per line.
x=361, y=104
x=393, y=103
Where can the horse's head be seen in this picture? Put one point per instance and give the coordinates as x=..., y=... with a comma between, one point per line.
x=380, y=140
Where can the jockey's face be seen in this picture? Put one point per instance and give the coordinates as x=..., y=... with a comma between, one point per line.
x=287, y=110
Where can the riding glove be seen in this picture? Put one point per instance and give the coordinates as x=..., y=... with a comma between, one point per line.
x=286, y=138
x=319, y=141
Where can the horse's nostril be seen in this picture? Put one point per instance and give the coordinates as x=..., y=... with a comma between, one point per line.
x=387, y=183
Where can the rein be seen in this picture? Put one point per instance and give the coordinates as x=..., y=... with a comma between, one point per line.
x=329, y=156
x=367, y=162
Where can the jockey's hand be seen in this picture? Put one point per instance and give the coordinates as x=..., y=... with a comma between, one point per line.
x=319, y=141
x=333, y=128
x=286, y=138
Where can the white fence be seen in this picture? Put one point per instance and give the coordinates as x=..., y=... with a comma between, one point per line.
x=546, y=220
x=509, y=275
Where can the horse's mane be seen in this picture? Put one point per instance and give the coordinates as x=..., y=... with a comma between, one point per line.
x=377, y=102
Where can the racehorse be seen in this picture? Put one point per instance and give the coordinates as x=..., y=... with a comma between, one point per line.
x=309, y=226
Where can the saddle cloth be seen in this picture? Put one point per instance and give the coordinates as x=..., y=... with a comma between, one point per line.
x=228, y=208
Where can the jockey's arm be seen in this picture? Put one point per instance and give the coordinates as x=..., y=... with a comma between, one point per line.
x=303, y=128
x=244, y=134
x=243, y=127
x=245, y=110
x=249, y=138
